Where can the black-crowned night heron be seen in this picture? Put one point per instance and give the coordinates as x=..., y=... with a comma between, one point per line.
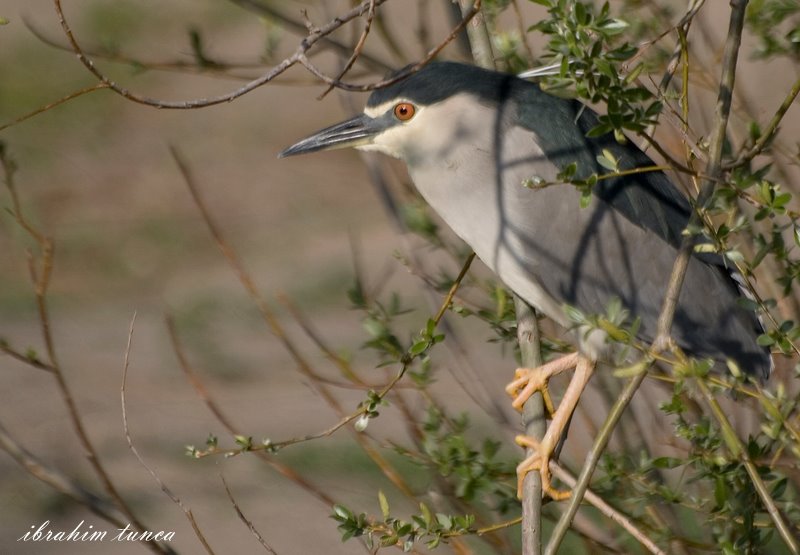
x=472, y=139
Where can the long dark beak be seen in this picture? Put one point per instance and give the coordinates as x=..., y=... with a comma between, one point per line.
x=356, y=131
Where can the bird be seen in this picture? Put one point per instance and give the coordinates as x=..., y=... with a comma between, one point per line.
x=473, y=141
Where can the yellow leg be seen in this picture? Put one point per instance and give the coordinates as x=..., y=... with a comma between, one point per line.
x=527, y=381
x=543, y=450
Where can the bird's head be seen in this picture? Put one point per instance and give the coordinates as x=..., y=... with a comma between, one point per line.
x=419, y=116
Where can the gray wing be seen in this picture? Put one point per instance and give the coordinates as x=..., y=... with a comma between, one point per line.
x=624, y=244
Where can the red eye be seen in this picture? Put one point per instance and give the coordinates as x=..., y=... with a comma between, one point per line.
x=404, y=111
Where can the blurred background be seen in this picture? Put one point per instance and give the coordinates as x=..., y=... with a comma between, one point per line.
x=96, y=175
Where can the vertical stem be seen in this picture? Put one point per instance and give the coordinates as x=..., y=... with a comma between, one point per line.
x=533, y=413
x=533, y=420
x=478, y=34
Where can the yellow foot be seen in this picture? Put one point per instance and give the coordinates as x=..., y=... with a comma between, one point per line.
x=527, y=381
x=539, y=461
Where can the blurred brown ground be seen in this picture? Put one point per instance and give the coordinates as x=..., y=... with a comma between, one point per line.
x=96, y=175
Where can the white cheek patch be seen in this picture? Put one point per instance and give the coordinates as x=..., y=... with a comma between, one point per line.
x=380, y=109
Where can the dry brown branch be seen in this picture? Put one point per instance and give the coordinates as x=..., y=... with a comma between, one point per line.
x=315, y=34
x=50, y=106
x=269, y=10
x=609, y=511
x=30, y=359
x=168, y=492
x=103, y=508
x=362, y=40
x=247, y=522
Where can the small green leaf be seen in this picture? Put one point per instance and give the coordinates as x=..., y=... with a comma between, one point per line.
x=632, y=370
x=426, y=514
x=384, y=503
x=765, y=340
x=343, y=513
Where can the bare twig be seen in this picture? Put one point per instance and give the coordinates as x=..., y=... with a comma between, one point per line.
x=769, y=133
x=175, y=499
x=356, y=50
x=51, y=105
x=468, y=15
x=269, y=10
x=305, y=45
x=246, y=520
x=30, y=359
x=299, y=56
x=103, y=508
x=609, y=511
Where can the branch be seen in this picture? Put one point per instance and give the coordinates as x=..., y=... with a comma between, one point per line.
x=769, y=133
x=299, y=57
x=30, y=359
x=175, y=499
x=269, y=10
x=609, y=511
x=356, y=50
x=315, y=36
x=50, y=106
x=103, y=508
x=535, y=424
x=244, y=519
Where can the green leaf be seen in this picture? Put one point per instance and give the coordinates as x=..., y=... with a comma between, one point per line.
x=384, y=504
x=667, y=462
x=765, y=340
x=343, y=513
x=632, y=370
x=614, y=27
x=608, y=161
x=418, y=347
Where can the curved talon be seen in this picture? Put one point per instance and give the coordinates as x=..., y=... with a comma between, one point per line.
x=528, y=381
x=540, y=461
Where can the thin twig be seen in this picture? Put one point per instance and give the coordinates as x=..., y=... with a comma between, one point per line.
x=302, y=59
x=535, y=424
x=175, y=499
x=103, y=508
x=278, y=69
x=299, y=56
x=269, y=10
x=769, y=133
x=30, y=359
x=51, y=105
x=356, y=50
x=739, y=451
x=609, y=511
x=246, y=520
